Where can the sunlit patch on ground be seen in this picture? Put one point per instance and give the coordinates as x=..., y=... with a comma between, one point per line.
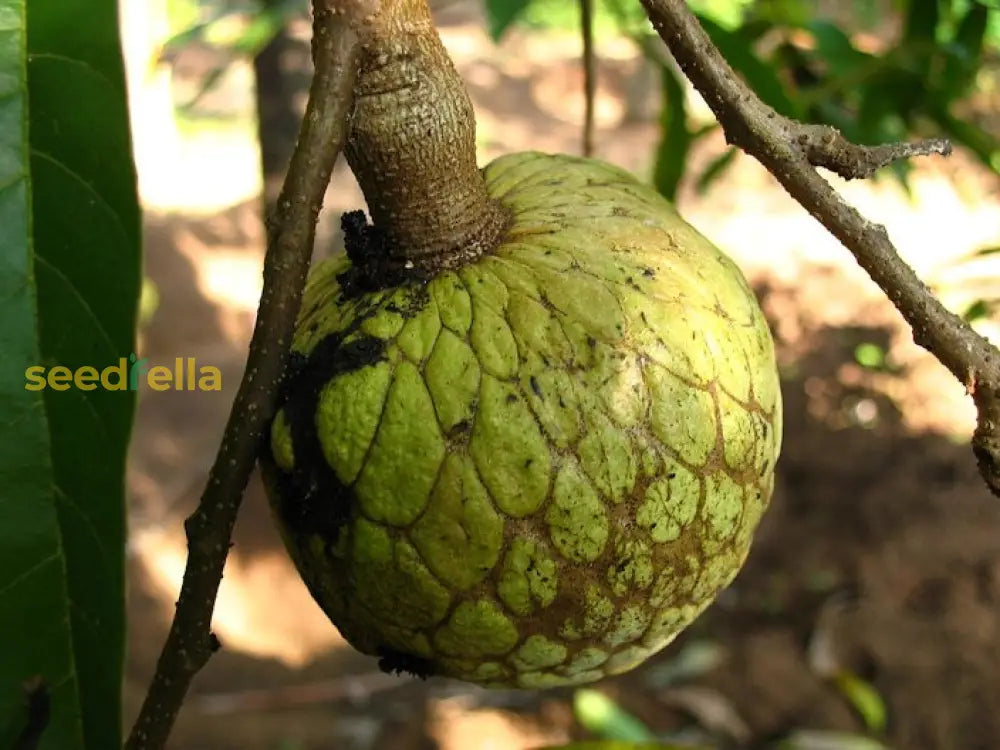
x=246, y=617
x=457, y=724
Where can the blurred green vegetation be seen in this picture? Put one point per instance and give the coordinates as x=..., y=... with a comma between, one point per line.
x=879, y=70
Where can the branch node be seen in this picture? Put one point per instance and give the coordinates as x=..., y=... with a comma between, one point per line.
x=825, y=146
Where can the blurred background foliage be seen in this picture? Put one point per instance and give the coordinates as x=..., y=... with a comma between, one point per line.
x=879, y=70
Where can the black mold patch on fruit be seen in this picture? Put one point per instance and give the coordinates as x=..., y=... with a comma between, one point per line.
x=372, y=266
x=392, y=661
x=313, y=499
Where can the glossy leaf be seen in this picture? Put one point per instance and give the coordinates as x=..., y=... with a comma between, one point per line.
x=69, y=247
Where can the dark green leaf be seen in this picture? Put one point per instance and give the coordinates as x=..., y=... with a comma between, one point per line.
x=69, y=248
x=761, y=77
x=980, y=309
x=835, y=49
x=801, y=68
x=500, y=14
x=963, y=52
x=983, y=144
x=599, y=714
x=840, y=117
x=887, y=104
x=754, y=28
x=921, y=21
x=715, y=169
x=792, y=13
x=918, y=48
x=675, y=139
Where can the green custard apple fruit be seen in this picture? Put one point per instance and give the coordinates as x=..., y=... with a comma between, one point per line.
x=537, y=468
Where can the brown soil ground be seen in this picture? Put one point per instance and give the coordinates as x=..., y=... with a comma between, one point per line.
x=880, y=555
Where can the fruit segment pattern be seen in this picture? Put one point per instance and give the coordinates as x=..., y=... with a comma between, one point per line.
x=537, y=469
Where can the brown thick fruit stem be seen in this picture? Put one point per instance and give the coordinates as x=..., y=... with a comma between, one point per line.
x=412, y=145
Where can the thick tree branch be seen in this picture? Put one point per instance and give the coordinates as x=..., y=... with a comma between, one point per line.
x=290, y=242
x=790, y=151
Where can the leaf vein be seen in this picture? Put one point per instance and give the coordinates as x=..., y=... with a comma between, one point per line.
x=98, y=198
x=28, y=573
x=82, y=300
x=63, y=496
x=32, y=57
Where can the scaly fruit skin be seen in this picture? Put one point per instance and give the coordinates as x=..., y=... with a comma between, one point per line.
x=535, y=470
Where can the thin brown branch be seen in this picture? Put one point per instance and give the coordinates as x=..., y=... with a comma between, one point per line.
x=190, y=642
x=790, y=151
x=589, y=74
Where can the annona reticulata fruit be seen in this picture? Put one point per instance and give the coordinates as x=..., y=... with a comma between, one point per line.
x=537, y=468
